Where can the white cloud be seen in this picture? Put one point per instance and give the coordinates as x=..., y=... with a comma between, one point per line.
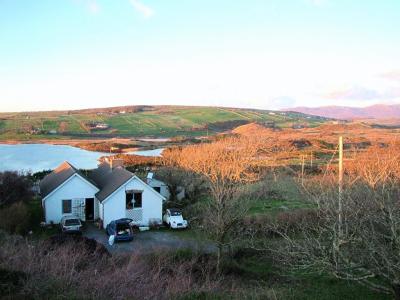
x=145, y=10
x=392, y=75
x=317, y=2
x=93, y=7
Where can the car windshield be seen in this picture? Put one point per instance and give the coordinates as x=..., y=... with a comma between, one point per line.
x=175, y=213
x=72, y=222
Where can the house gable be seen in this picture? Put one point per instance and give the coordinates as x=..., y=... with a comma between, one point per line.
x=114, y=206
x=66, y=182
x=76, y=189
x=145, y=186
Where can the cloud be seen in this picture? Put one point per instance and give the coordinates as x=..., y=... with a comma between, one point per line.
x=145, y=10
x=317, y=2
x=281, y=102
x=391, y=75
x=93, y=7
x=362, y=93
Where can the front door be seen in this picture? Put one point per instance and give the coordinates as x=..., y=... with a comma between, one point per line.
x=89, y=209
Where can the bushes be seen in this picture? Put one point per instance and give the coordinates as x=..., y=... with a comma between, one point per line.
x=14, y=188
x=15, y=218
x=69, y=269
x=269, y=226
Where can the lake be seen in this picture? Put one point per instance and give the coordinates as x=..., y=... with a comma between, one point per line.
x=38, y=157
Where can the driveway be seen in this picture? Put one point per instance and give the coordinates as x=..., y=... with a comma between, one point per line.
x=148, y=241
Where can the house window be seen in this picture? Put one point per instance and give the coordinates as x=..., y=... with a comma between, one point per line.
x=129, y=202
x=67, y=206
x=157, y=189
x=138, y=200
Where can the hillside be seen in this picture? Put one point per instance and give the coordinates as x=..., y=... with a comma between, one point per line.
x=379, y=111
x=140, y=121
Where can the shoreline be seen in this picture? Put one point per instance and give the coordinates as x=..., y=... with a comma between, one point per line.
x=131, y=145
x=70, y=142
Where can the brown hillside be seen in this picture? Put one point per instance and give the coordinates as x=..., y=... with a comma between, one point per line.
x=252, y=129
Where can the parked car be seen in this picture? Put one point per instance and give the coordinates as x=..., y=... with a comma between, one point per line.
x=71, y=224
x=174, y=219
x=121, y=229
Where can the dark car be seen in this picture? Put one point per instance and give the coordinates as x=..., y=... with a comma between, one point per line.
x=120, y=229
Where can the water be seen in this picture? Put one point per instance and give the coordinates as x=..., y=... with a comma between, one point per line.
x=154, y=152
x=39, y=157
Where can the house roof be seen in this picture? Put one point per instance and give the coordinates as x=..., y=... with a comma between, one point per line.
x=108, y=179
x=104, y=177
x=56, y=178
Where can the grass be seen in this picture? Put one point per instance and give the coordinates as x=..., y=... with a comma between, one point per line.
x=273, y=206
x=156, y=122
x=281, y=194
x=289, y=285
x=36, y=216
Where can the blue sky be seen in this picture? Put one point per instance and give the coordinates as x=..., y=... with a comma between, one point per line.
x=68, y=54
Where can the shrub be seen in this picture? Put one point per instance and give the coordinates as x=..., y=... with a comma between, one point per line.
x=14, y=188
x=15, y=218
x=72, y=268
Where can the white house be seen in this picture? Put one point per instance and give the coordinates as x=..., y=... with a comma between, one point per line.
x=110, y=192
x=162, y=188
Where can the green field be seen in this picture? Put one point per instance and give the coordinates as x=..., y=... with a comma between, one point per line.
x=151, y=121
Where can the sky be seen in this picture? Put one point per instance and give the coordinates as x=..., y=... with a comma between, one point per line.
x=267, y=54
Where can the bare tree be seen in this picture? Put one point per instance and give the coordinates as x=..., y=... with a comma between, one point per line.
x=226, y=165
x=360, y=241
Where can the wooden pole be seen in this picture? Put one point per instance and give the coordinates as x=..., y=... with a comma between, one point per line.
x=340, y=209
x=302, y=170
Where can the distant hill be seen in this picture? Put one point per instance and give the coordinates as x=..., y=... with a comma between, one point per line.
x=141, y=121
x=379, y=111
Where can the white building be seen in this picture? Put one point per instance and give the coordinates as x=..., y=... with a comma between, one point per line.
x=162, y=188
x=110, y=192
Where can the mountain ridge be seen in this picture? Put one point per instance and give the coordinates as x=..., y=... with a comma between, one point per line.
x=377, y=111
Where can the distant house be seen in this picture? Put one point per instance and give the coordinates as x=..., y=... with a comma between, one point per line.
x=110, y=192
x=102, y=126
x=97, y=126
x=162, y=188
x=299, y=126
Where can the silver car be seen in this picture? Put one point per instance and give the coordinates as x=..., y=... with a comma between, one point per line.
x=71, y=224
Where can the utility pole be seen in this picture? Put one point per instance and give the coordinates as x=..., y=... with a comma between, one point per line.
x=302, y=169
x=340, y=209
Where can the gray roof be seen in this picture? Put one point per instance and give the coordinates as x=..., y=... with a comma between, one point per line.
x=56, y=178
x=105, y=178
x=108, y=179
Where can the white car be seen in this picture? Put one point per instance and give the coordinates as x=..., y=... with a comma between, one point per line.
x=71, y=224
x=173, y=218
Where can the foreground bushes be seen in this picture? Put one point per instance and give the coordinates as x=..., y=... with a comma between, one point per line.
x=15, y=218
x=71, y=270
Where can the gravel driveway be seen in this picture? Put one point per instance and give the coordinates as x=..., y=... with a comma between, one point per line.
x=148, y=241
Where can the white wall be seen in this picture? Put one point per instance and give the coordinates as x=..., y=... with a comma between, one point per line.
x=114, y=206
x=74, y=188
x=163, y=187
x=164, y=191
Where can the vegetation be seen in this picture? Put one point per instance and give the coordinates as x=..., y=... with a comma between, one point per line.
x=15, y=194
x=157, y=121
x=267, y=198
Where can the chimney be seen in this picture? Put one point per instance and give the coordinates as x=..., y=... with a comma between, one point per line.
x=115, y=162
